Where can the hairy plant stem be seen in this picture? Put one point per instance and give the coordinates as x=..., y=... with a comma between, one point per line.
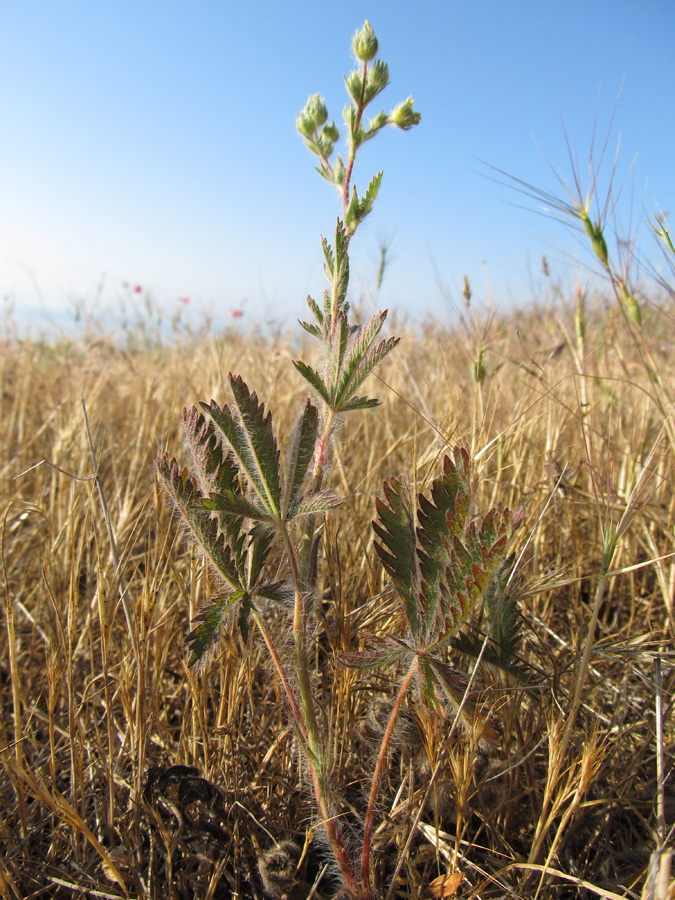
x=301, y=656
x=308, y=725
x=283, y=678
x=377, y=778
x=352, y=147
x=320, y=463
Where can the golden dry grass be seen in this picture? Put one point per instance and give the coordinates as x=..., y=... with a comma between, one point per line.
x=127, y=774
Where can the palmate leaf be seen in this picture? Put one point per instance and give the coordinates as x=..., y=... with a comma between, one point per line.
x=439, y=519
x=249, y=433
x=355, y=374
x=440, y=565
x=398, y=547
x=226, y=560
x=503, y=622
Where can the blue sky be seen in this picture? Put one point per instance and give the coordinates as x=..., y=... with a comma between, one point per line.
x=153, y=142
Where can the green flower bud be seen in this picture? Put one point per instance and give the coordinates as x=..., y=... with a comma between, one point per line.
x=404, y=116
x=305, y=125
x=330, y=132
x=364, y=43
x=316, y=108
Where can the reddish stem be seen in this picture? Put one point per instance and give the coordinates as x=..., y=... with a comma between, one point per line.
x=377, y=778
x=352, y=149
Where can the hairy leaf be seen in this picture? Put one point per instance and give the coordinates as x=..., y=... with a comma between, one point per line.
x=336, y=355
x=314, y=503
x=204, y=528
x=359, y=365
x=248, y=431
x=301, y=454
x=236, y=505
x=397, y=550
x=207, y=629
x=359, y=403
x=213, y=469
x=313, y=378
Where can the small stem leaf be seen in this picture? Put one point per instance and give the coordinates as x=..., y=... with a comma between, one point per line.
x=318, y=315
x=314, y=379
x=329, y=264
x=358, y=366
x=303, y=443
x=396, y=530
x=371, y=194
x=354, y=85
x=314, y=330
x=359, y=403
x=376, y=124
x=339, y=172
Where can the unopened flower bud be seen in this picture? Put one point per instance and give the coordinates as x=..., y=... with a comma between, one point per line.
x=316, y=108
x=330, y=132
x=364, y=43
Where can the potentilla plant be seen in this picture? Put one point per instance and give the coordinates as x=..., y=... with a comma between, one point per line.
x=238, y=501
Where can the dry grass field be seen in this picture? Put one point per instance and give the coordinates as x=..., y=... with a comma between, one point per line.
x=124, y=772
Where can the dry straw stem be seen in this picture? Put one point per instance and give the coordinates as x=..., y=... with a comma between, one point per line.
x=103, y=727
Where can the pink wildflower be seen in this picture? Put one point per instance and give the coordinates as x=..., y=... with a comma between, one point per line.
x=236, y=313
